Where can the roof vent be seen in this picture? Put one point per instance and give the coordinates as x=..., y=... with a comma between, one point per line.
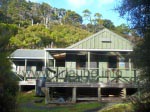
x=106, y=40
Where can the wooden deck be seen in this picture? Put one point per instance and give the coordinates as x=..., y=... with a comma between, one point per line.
x=27, y=83
x=88, y=91
x=92, y=85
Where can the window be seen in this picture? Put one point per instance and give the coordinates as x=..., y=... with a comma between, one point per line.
x=126, y=62
x=112, y=62
x=60, y=62
x=81, y=61
x=39, y=68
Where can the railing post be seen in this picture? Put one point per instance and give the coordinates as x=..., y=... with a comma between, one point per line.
x=130, y=67
x=66, y=77
x=134, y=76
x=57, y=75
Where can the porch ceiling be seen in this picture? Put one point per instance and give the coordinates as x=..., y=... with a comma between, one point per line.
x=22, y=61
x=84, y=51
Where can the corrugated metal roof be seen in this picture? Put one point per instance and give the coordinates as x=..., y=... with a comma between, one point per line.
x=29, y=54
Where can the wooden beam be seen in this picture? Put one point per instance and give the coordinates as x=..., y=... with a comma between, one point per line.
x=88, y=98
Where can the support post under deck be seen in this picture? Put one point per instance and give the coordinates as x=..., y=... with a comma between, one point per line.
x=99, y=93
x=47, y=97
x=124, y=93
x=74, y=91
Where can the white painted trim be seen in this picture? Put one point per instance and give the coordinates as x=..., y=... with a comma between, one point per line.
x=28, y=58
x=63, y=49
x=89, y=60
x=45, y=59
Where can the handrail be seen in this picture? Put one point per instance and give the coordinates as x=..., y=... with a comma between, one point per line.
x=84, y=75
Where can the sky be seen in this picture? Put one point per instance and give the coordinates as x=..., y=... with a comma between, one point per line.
x=104, y=7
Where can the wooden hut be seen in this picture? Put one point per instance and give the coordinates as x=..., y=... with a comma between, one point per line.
x=94, y=68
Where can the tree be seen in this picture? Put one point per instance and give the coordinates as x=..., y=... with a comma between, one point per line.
x=4, y=18
x=8, y=84
x=98, y=19
x=138, y=13
x=18, y=11
x=87, y=15
x=108, y=24
x=124, y=30
x=72, y=18
x=45, y=12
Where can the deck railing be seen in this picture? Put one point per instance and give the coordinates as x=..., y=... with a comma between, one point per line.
x=62, y=74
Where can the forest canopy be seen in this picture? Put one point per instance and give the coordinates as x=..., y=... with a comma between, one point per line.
x=41, y=25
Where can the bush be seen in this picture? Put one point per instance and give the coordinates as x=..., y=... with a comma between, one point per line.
x=8, y=84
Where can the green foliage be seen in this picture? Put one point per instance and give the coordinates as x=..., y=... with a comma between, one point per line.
x=65, y=35
x=25, y=14
x=138, y=14
x=36, y=36
x=141, y=61
x=8, y=85
x=6, y=32
x=18, y=11
x=4, y=18
x=122, y=29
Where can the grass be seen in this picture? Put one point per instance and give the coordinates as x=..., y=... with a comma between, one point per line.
x=123, y=107
x=32, y=110
x=24, y=97
x=29, y=97
x=80, y=107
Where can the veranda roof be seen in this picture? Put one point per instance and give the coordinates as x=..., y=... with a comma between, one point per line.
x=29, y=54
